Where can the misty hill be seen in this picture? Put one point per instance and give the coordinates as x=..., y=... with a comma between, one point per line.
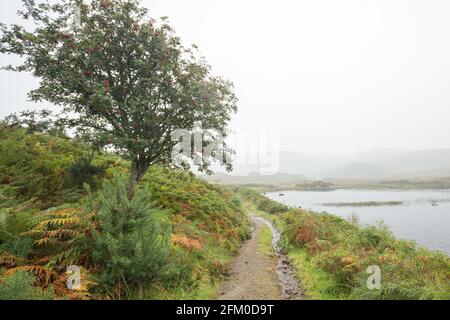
x=435, y=161
x=421, y=164
x=358, y=170
x=295, y=163
x=386, y=164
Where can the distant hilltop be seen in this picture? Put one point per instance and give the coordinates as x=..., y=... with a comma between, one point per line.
x=399, y=169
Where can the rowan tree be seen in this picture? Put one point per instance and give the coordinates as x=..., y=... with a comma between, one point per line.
x=122, y=74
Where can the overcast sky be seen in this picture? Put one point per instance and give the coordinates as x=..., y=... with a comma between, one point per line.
x=331, y=76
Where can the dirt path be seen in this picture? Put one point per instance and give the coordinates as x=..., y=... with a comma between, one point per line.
x=253, y=274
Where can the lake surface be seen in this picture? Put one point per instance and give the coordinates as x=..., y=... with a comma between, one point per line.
x=423, y=216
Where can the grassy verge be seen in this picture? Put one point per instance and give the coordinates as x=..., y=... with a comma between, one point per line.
x=265, y=242
x=314, y=281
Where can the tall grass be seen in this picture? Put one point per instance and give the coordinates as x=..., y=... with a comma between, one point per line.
x=345, y=251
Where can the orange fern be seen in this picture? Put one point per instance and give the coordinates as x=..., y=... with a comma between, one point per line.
x=43, y=274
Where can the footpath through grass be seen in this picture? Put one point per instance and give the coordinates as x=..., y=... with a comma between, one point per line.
x=332, y=256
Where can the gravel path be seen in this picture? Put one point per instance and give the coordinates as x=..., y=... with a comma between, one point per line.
x=255, y=275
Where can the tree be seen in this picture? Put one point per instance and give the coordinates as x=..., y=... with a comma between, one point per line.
x=122, y=74
x=37, y=121
x=131, y=246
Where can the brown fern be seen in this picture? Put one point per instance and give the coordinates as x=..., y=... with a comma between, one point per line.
x=55, y=238
x=10, y=261
x=55, y=222
x=43, y=274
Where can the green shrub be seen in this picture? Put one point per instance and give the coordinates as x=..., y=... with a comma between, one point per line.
x=131, y=245
x=210, y=206
x=35, y=165
x=83, y=171
x=19, y=286
x=50, y=170
x=271, y=206
x=11, y=227
x=373, y=237
x=262, y=203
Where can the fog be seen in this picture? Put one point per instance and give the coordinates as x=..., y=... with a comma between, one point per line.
x=332, y=77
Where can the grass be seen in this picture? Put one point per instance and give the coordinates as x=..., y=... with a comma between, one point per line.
x=363, y=204
x=265, y=242
x=206, y=289
x=314, y=281
x=334, y=256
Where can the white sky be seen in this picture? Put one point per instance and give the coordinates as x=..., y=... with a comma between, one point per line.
x=331, y=76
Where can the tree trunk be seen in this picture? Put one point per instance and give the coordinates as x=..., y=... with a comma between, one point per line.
x=137, y=172
x=134, y=178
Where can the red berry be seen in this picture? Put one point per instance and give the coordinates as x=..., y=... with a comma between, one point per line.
x=105, y=4
x=106, y=86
